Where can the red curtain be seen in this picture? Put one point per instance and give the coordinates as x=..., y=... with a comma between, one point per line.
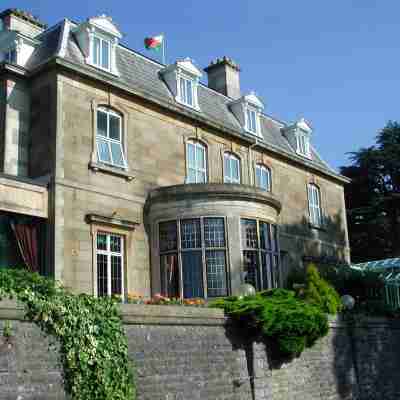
x=27, y=239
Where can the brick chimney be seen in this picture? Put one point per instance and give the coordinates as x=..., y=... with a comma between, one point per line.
x=20, y=21
x=223, y=76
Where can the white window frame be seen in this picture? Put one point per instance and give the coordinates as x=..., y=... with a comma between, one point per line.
x=231, y=158
x=303, y=144
x=314, y=205
x=108, y=253
x=263, y=170
x=98, y=64
x=254, y=129
x=182, y=96
x=109, y=140
x=196, y=168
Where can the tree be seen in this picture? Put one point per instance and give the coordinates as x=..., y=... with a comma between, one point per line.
x=373, y=197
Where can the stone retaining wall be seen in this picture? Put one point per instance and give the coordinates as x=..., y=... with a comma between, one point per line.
x=187, y=353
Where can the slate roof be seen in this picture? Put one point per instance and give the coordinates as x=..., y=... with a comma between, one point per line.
x=138, y=72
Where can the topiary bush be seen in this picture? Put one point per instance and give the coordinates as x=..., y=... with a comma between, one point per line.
x=278, y=315
x=319, y=292
x=93, y=346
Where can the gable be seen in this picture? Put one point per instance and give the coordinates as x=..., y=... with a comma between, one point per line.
x=105, y=24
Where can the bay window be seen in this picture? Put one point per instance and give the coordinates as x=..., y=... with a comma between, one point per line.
x=193, y=257
x=260, y=252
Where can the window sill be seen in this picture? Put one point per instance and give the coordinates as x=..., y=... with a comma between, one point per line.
x=107, y=71
x=97, y=167
x=317, y=227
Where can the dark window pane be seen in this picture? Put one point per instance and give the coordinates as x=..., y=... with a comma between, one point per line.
x=265, y=236
x=101, y=241
x=276, y=272
x=216, y=273
x=249, y=234
x=170, y=275
x=115, y=132
x=190, y=234
x=102, y=274
x=168, y=236
x=214, y=232
x=101, y=123
x=266, y=265
x=116, y=275
x=274, y=238
x=115, y=243
x=192, y=269
x=250, y=267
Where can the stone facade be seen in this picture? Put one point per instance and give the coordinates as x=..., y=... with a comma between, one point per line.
x=49, y=121
x=191, y=353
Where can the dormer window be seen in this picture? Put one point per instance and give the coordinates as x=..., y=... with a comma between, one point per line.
x=299, y=135
x=101, y=53
x=303, y=144
x=251, y=120
x=186, y=94
x=247, y=110
x=182, y=79
x=98, y=38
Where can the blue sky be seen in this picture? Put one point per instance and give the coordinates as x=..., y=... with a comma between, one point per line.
x=334, y=62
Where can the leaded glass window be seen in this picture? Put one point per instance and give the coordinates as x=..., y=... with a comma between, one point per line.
x=314, y=205
x=261, y=264
x=109, y=138
x=231, y=168
x=196, y=162
x=194, y=265
x=110, y=264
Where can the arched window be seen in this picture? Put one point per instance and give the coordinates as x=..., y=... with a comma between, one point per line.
x=314, y=205
x=231, y=168
x=263, y=177
x=109, y=138
x=196, y=162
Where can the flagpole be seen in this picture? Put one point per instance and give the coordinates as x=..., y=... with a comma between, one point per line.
x=163, y=49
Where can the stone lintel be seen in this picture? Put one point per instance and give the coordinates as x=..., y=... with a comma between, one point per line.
x=111, y=221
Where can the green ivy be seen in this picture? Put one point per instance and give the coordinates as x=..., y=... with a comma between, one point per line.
x=280, y=316
x=93, y=346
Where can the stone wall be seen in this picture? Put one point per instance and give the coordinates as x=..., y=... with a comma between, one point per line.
x=154, y=143
x=186, y=353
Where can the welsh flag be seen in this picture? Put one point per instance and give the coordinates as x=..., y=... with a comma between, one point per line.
x=154, y=43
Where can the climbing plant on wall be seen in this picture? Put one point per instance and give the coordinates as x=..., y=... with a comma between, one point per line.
x=93, y=346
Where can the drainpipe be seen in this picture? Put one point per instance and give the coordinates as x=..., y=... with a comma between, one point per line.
x=251, y=160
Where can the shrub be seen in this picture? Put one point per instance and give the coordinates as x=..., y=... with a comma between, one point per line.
x=93, y=346
x=280, y=316
x=318, y=291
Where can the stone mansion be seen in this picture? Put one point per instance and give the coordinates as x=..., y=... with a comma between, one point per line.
x=120, y=175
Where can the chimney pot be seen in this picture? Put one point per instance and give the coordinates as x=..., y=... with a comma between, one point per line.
x=223, y=76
